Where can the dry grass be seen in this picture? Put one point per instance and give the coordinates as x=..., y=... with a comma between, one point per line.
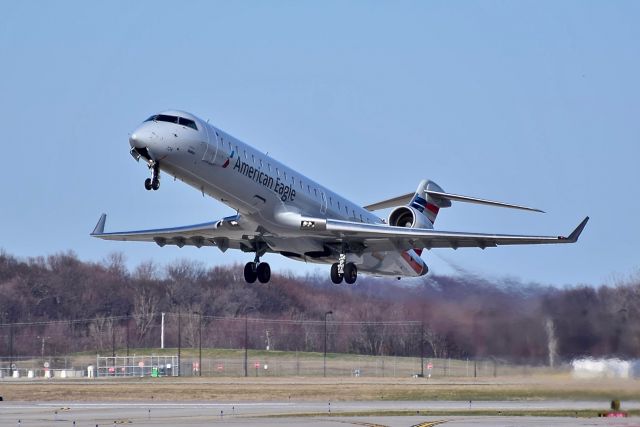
x=335, y=389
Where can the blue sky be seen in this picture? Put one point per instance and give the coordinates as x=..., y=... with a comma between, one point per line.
x=534, y=103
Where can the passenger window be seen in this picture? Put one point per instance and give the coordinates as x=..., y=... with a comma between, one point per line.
x=277, y=171
x=253, y=159
x=308, y=189
x=261, y=163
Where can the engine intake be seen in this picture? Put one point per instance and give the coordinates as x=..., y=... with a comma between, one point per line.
x=407, y=216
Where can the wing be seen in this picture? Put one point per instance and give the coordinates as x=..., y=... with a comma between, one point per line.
x=226, y=233
x=385, y=237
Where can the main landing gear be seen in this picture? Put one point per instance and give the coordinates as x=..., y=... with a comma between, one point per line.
x=153, y=183
x=343, y=270
x=257, y=270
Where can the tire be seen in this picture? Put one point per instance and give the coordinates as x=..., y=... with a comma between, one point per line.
x=264, y=272
x=335, y=277
x=155, y=184
x=147, y=184
x=350, y=273
x=250, y=273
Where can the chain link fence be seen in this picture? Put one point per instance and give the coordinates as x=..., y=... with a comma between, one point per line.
x=191, y=344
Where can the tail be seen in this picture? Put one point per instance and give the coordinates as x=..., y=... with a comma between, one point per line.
x=425, y=203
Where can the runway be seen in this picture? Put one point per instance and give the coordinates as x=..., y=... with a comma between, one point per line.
x=290, y=413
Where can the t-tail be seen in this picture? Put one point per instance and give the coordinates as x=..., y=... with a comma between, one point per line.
x=427, y=204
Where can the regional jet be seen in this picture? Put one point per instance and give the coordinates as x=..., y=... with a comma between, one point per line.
x=279, y=210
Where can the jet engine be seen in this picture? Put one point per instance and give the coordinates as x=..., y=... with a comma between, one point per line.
x=407, y=216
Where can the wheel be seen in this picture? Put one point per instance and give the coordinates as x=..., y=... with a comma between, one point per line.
x=350, y=273
x=264, y=272
x=155, y=184
x=250, y=273
x=335, y=277
x=147, y=183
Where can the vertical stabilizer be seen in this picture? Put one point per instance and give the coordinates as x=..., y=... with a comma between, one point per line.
x=425, y=203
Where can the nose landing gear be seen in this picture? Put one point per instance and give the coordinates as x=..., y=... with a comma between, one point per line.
x=153, y=183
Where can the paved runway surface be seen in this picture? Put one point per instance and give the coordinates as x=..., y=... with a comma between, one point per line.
x=29, y=414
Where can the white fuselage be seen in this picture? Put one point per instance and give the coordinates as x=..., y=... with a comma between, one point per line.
x=263, y=191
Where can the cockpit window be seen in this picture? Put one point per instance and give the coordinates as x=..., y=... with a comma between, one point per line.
x=165, y=118
x=187, y=122
x=173, y=119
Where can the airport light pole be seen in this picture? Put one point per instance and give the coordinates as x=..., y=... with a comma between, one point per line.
x=246, y=337
x=325, y=343
x=199, y=343
x=43, y=338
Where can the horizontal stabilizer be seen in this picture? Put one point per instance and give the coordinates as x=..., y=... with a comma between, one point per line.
x=467, y=199
x=391, y=203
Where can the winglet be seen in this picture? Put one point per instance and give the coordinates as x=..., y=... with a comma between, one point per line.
x=573, y=237
x=99, y=229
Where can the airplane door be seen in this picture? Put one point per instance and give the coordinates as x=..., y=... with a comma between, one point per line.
x=323, y=203
x=211, y=147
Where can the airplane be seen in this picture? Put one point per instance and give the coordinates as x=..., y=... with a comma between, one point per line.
x=279, y=210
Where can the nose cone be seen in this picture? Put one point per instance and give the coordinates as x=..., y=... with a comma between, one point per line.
x=142, y=137
x=138, y=140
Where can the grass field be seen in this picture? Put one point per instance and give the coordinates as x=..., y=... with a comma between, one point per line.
x=298, y=376
x=558, y=387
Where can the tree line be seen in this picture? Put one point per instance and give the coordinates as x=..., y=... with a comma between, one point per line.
x=75, y=305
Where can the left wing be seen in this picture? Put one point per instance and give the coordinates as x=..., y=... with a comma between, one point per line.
x=226, y=233
x=374, y=236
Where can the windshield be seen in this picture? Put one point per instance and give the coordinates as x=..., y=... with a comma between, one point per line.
x=173, y=119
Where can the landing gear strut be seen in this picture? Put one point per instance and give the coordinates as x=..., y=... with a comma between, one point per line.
x=153, y=183
x=257, y=270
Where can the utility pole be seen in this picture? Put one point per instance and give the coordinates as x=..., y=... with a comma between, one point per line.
x=179, y=338
x=246, y=337
x=199, y=344
x=11, y=350
x=113, y=342
x=324, y=365
x=422, y=349
x=128, y=321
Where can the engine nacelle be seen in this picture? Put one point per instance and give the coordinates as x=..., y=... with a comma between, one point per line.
x=407, y=216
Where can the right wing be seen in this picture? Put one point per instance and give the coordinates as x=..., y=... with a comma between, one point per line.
x=226, y=233
x=386, y=237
